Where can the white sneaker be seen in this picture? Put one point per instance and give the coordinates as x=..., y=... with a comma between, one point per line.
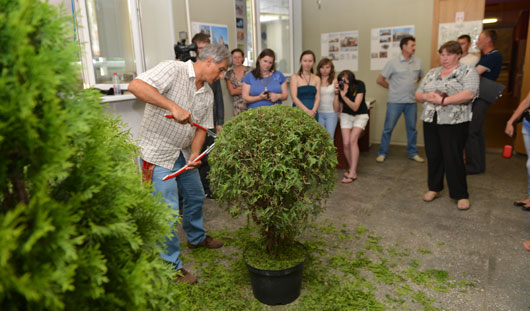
x=380, y=159
x=417, y=158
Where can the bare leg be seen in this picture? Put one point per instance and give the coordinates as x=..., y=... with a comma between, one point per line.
x=354, y=151
x=346, y=144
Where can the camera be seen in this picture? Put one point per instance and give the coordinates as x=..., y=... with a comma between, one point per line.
x=185, y=52
x=341, y=84
x=268, y=93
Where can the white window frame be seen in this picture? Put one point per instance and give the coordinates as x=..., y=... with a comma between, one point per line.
x=295, y=29
x=87, y=58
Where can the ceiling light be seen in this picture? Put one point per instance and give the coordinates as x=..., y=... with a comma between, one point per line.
x=489, y=20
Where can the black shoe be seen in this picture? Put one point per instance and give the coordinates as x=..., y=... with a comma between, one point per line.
x=211, y=196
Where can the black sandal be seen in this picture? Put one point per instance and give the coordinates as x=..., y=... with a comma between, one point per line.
x=519, y=203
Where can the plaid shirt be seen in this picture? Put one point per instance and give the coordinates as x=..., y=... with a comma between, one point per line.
x=162, y=139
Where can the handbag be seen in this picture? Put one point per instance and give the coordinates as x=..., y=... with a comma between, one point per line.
x=490, y=90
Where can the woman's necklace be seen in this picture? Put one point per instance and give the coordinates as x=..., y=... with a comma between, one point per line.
x=308, y=81
x=266, y=83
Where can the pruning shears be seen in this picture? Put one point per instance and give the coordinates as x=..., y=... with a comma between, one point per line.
x=197, y=159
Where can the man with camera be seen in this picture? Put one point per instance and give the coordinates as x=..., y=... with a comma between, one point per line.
x=181, y=89
x=403, y=74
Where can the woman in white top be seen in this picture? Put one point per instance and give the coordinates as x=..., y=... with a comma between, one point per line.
x=329, y=105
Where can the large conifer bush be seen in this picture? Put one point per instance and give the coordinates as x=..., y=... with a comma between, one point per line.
x=78, y=230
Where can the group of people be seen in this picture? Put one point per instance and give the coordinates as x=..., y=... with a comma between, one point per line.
x=322, y=95
x=453, y=112
x=452, y=115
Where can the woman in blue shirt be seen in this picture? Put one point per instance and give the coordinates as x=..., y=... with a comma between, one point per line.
x=264, y=86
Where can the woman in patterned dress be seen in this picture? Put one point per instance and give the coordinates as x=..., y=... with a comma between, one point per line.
x=447, y=94
x=233, y=80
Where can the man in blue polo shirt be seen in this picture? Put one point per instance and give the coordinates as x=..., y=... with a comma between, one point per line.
x=403, y=74
x=489, y=67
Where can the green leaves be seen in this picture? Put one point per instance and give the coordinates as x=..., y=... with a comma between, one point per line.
x=277, y=163
x=78, y=230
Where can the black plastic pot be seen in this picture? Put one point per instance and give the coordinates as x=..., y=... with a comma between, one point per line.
x=276, y=287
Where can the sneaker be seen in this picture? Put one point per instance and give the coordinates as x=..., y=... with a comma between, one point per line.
x=186, y=277
x=417, y=158
x=380, y=159
x=209, y=242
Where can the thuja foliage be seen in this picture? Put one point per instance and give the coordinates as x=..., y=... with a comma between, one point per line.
x=78, y=230
x=275, y=164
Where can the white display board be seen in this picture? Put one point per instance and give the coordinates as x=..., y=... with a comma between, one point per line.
x=385, y=44
x=451, y=31
x=342, y=48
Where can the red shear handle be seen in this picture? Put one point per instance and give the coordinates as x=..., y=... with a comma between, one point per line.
x=170, y=116
x=186, y=167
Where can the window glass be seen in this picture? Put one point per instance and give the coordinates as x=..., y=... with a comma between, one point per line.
x=111, y=40
x=275, y=31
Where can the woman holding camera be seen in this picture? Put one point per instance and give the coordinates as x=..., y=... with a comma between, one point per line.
x=233, y=80
x=353, y=118
x=305, y=86
x=447, y=94
x=264, y=86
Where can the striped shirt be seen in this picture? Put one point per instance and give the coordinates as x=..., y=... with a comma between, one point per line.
x=162, y=139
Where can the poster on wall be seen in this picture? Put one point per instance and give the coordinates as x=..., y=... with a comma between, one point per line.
x=217, y=33
x=451, y=31
x=385, y=44
x=241, y=23
x=342, y=48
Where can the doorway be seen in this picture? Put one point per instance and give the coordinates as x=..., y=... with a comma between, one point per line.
x=512, y=32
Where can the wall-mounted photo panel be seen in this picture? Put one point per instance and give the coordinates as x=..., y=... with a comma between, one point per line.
x=451, y=31
x=385, y=44
x=342, y=48
x=217, y=33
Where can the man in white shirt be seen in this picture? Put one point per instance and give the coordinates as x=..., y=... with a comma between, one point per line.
x=183, y=90
x=467, y=58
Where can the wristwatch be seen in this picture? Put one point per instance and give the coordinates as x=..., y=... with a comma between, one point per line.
x=444, y=96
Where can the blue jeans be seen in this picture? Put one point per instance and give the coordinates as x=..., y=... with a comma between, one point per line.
x=526, y=138
x=189, y=184
x=393, y=112
x=328, y=121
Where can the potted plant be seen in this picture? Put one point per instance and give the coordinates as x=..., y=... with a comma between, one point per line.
x=276, y=165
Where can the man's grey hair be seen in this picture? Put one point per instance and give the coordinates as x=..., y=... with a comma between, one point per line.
x=217, y=51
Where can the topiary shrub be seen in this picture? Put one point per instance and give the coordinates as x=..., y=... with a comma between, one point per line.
x=275, y=164
x=78, y=230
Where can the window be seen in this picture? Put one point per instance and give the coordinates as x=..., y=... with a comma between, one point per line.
x=111, y=41
x=275, y=22
x=275, y=29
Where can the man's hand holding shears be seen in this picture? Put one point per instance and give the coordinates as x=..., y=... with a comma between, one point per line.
x=195, y=157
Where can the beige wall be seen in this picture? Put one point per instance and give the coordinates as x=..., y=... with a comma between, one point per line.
x=364, y=15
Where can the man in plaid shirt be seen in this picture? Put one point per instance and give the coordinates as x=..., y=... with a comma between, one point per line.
x=180, y=89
